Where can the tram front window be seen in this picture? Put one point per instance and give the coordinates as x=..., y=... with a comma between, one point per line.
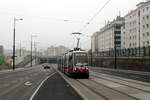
x=80, y=60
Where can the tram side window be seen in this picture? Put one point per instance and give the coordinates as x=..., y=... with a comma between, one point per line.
x=70, y=61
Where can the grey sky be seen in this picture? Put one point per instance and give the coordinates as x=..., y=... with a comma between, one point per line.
x=45, y=18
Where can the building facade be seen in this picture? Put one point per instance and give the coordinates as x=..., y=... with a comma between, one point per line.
x=108, y=36
x=94, y=42
x=136, y=31
x=56, y=51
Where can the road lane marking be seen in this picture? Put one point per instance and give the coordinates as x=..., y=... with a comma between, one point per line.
x=31, y=98
x=28, y=83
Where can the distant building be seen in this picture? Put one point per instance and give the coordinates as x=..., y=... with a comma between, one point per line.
x=136, y=31
x=56, y=51
x=104, y=39
x=1, y=50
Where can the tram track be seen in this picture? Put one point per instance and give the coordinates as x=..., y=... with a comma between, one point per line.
x=93, y=90
x=125, y=83
x=106, y=92
x=112, y=90
x=114, y=77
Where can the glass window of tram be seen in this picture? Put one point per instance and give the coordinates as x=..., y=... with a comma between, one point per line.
x=80, y=59
x=70, y=61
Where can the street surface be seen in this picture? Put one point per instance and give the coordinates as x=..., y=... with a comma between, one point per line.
x=37, y=83
x=22, y=83
x=104, y=86
x=124, y=74
x=55, y=88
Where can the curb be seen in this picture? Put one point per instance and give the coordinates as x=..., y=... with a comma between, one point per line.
x=77, y=90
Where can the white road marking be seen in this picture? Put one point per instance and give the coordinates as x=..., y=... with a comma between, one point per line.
x=28, y=83
x=31, y=98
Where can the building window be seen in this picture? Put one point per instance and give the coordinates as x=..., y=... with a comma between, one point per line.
x=143, y=26
x=118, y=27
x=118, y=37
x=147, y=43
x=143, y=43
x=147, y=33
x=130, y=44
x=143, y=10
x=147, y=16
x=143, y=34
x=147, y=8
x=147, y=25
x=143, y=18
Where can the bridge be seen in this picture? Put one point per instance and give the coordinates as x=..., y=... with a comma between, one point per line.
x=51, y=60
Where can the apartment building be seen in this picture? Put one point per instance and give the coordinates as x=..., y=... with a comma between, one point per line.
x=56, y=51
x=136, y=31
x=104, y=40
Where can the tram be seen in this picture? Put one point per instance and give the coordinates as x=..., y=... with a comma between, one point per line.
x=74, y=63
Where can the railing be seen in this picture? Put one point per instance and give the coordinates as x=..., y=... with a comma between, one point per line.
x=130, y=52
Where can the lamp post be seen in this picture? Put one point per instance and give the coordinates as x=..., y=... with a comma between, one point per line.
x=31, y=47
x=14, y=34
x=35, y=50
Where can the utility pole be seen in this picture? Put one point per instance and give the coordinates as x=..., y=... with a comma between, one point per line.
x=14, y=39
x=14, y=43
x=31, y=50
x=35, y=51
x=20, y=50
x=31, y=47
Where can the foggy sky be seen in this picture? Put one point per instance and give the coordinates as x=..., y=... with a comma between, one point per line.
x=53, y=21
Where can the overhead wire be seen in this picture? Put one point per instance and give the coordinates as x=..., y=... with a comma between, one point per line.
x=92, y=18
x=43, y=17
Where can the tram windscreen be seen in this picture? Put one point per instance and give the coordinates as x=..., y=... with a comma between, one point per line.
x=80, y=59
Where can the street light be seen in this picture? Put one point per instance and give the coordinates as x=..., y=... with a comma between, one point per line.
x=35, y=50
x=15, y=19
x=31, y=46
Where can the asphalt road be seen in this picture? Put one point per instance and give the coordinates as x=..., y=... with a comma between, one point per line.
x=20, y=84
x=134, y=76
x=55, y=88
